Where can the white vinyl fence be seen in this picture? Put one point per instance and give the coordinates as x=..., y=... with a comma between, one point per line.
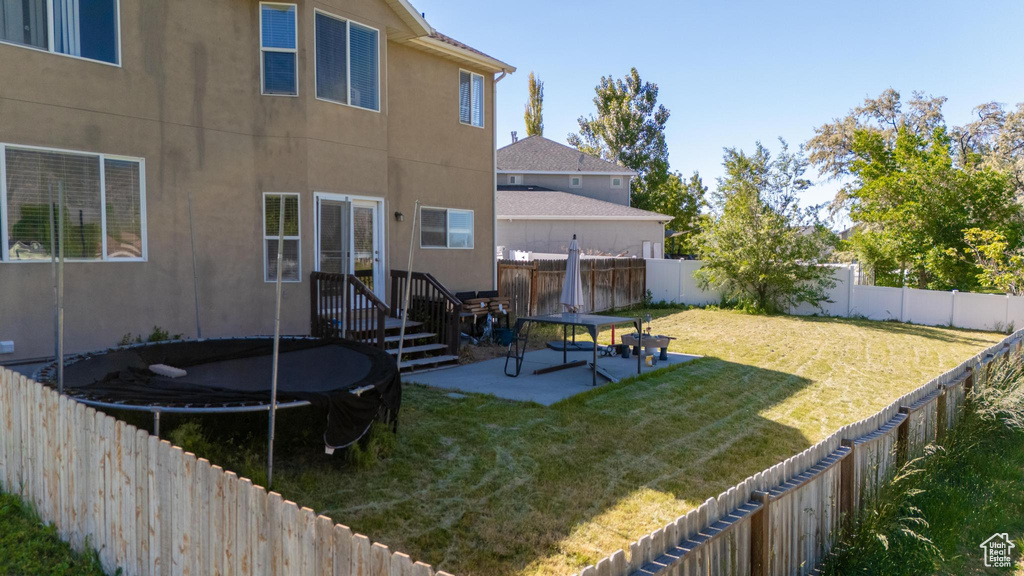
x=673, y=281
x=149, y=508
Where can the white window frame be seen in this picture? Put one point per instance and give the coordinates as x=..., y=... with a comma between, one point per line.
x=49, y=38
x=263, y=77
x=348, y=61
x=621, y=182
x=448, y=229
x=483, y=105
x=264, y=236
x=515, y=179
x=4, y=240
x=575, y=186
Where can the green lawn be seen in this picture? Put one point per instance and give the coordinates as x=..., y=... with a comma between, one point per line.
x=480, y=486
x=29, y=548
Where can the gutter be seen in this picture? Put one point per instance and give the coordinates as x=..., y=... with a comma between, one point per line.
x=494, y=171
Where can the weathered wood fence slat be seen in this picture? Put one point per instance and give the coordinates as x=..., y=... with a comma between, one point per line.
x=149, y=508
x=536, y=287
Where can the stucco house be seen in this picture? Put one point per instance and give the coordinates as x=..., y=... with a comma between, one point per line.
x=168, y=125
x=548, y=191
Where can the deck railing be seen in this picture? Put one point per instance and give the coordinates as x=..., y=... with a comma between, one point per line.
x=430, y=303
x=356, y=313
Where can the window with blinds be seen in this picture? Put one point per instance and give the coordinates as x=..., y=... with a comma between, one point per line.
x=82, y=28
x=279, y=49
x=100, y=200
x=347, y=62
x=471, y=98
x=446, y=228
x=291, y=259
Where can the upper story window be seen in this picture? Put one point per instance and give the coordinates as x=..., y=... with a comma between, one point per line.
x=515, y=179
x=347, y=62
x=575, y=182
x=101, y=200
x=616, y=181
x=471, y=98
x=279, y=35
x=82, y=28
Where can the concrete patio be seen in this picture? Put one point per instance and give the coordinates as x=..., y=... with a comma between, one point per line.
x=489, y=377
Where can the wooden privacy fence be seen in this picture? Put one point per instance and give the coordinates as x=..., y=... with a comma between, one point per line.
x=536, y=287
x=783, y=521
x=149, y=508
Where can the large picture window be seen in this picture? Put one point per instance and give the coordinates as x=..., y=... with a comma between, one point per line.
x=471, y=98
x=446, y=228
x=279, y=49
x=291, y=258
x=82, y=28
x=103, y=205
x=347, y=62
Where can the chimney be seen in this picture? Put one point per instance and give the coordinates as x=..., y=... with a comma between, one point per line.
x=515, y=137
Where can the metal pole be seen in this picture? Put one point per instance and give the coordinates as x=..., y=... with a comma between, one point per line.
x=53, y=270
x=277, y=343
x=195, y=269
x=408, y=285
x=60, y=288
x=346, y=247
x=156, y=424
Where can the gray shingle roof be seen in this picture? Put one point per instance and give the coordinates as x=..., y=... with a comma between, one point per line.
x=538, y=154
x=553, y=205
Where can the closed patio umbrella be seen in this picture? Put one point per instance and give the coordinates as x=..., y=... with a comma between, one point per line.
x=572, y=287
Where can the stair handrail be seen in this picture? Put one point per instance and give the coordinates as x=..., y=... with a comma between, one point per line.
x=451, y=334
x=360, y=289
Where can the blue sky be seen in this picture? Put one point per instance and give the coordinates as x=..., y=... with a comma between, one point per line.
x=734, y=72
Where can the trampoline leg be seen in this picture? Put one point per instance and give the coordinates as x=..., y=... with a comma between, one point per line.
x=156, y=424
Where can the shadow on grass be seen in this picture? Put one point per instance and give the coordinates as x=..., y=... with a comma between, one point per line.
x=478, y=485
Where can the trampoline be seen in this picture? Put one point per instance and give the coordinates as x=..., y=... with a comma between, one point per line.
x=353, y=383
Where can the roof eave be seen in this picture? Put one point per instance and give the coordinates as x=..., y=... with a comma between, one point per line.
x=463, y=56
x=412, y=17
x=566, y=172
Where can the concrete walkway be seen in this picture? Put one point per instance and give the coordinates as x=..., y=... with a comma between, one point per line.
x=488, y=377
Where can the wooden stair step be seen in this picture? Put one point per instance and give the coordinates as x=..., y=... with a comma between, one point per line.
x=429, y=361
x=420, y=348
x=408, y=337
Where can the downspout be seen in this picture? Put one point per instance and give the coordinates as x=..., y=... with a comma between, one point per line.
x=494, y=191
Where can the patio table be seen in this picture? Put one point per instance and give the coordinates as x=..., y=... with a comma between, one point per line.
x=592, y=322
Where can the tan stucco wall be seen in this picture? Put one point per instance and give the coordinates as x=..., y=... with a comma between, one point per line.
x=599, y=187
x=186, y=98
x=595, y=236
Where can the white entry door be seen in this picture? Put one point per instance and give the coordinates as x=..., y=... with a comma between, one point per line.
x=350, y=237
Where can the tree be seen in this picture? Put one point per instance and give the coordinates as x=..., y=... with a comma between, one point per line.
x=760, y=248
x=1001, y=264
x=683, y=201
x=913, y=186
x=535, y=108
x=915, y=203
x=629, y=129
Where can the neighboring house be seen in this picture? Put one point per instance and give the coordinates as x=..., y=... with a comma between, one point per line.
x=548, y=191
x=537, y=161
x=129, y=108
x=536, y=219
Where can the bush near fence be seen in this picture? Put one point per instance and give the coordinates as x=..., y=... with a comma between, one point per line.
x=783, y=521
x=535, y=288
x=673, y=281
x=149, y=508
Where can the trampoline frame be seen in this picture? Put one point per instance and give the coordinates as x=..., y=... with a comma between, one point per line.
x=42, y=375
